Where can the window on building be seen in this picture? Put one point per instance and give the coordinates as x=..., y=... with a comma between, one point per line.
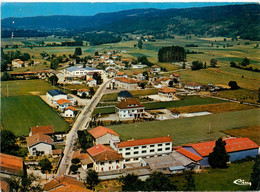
x=127, y=160
x=136, y=152
x=144, y=151
x=167, y=144
x=102, y=163
x=120, y=149
x=102, y=169
x=160, y=149
x=127, y=149
x=110, y=162
x=151, y=145
x=128, y=153
x=136, y=147
x=167, y=148
x=117, y=161
x=159, y=145
x=152, y=150
x=143, y=146
x=135, y=159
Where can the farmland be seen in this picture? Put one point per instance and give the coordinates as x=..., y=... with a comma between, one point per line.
x=189, y=130
x=21, y=113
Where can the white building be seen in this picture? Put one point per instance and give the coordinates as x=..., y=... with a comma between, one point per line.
x=126, y=83
x=17, y=63
x=39, y=143
x=166, y=92
x=155, y=69
x=105, y=158
x=134, y=150
x=92, y=82
x=69, y=112
x=130, y=107
x=80, y=92
x=63, y=104
x=192, y=86
x=75, y=71
x=104, y=135
x=54, y=95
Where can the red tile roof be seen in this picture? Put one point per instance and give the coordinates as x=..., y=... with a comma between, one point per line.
x=188, y=154
x=156, y=66
x=100, y=131
x=63, y=101
x=38, y=138
x=232, y=145
x=4, y=186
x=10, y=163
x=167, y=90
x=129, y=103
x=175, y=111
x=192, y=84
x=120, y=73
x=83, y=90
x=78, y=154
x=42, y=129
x=70, y=108
x=57, y=152
x=63, y=183
x=176, y=75
x=126, y=80
x=101, y=153
x=143, y=142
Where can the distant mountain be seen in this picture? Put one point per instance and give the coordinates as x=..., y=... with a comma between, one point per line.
x=230, y=20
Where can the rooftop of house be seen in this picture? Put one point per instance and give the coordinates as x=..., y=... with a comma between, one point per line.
x=80, y=155
x=167, y=90
x=55, y=92
x=143, y=142
x=120, y=73
x=63, y=101
x=75, y=68
x=175, y=111
x=83, y=90
x=10, y=163
x=175, y=75
x=125, y=94
x=38, y=138
x=70, y=108
x=91, y=79
x=101, y=131
x=42, y=129
x=156, y=66
x=232, y=145
x=64, y=183
x=192, y=84
x=57, y=152
x=4, y=186
x=18, y=61
x=101, y=153
x=129, y=103
x=188, y=154
x=126, y=80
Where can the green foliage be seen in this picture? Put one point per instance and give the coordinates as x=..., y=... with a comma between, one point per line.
x=85, y=140
x=92, y=178
x=144, y=60
x=219, y=157
x=53, y=79
x=8, y=142
x=140, y=44
x=233, y=85
x=245, y=62
x=6, y=76
x=255, y=176
x=74, y=168
x=75, y=161
x=190, y=186
x=91, y=91
x=78, y=51
x=197, y=65
x=213, y=62
x=45, y=165
x=131, y=182
x=171, y=54
x=98, y=78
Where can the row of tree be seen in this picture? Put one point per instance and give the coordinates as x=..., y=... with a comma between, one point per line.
x=171, y=54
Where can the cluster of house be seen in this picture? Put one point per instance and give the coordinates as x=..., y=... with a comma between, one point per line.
x=111, y=154
x=62, y=102
x=18, y=63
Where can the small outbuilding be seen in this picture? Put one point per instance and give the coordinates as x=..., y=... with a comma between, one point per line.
x=124, y=95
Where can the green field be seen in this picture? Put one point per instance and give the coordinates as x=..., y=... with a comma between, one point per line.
x=18, y=114
x=25, y=87
x=192, y=129
x=222, y=179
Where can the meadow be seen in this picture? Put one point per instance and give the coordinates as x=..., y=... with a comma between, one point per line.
x=21, y=113
x=189, y=130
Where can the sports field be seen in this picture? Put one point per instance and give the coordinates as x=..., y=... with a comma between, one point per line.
x=21, y=113
x=192, y=129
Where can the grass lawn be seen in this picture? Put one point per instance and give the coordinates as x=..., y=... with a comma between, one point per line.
x=21, y=113
x=25, y=87
x=222, y=179
x=189, y=130
x=106, y=110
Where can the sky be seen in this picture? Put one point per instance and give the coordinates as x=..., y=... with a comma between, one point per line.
x=16, y=9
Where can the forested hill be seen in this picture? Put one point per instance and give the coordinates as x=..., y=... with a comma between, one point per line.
x=230, y=21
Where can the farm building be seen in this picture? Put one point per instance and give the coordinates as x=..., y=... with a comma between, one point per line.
x=75, y=71
x=237, y=148
x=126, y=83
x=10, y=165
x=39, y=143
x=54, y=95
x=192, y=86
x=46, y=130
x=175, y=113
x=104, y=135
x=124, y=95
x=17, y=63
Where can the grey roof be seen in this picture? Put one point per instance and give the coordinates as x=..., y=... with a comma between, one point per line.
x=54, y=92
x=125, y=94
x=176, y=168
x=75, y=68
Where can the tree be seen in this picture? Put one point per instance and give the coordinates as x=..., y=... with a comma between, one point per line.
x=233, y=64
x=245, y=62
x=85, y=140
x=233, y=85
x=53, y=79
x=255, y=176
x=146, y=75
x=170, y=84
x=45, y=165
x=142, y=85
x=205, y=65
x=196, y=65
x=97, y=77
x=92, y=178
x=173, y=53
x=6, y=76
x=219, y=157
x=158, y=181
x=78, y=51
x=91, y=91
x=190, y=186
x=213, y=62
x=74, y=168
x=131, y=182
x=8, y=142
x=75, y=161
x=140, y=44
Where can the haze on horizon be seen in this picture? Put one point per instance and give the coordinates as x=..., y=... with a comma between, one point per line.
x=15, y=9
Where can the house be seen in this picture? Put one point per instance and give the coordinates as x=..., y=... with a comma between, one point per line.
x=138, y=66
x=54, y=95
x=134, y=150
x=4, y=185
x=166, y=92
x=65, y=183
x=237, y=148
x=39, y=144
x=69, y=112
x=155, y=69
x=92, y=82
x=175, y=113
x=192, y=86
x=162, y=82
x=105, y=158
x=75, y=71
x=85, y=160
x=81, y=92
x=175, y=76
x=173, y=163
x=124, y=95
x=17, y=63
x=104, y=135
x=10, y=165
x=139, y=76
x=63, y=104
x=111, y=72
x=120, y=74
x=130, y=107
x=126, y=83
x=46, y=130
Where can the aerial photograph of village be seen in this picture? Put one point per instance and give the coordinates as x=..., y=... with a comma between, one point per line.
x=130, y=96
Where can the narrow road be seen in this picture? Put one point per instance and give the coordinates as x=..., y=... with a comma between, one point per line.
x=81, y=123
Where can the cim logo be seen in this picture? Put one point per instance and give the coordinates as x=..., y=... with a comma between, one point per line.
x=241, y=182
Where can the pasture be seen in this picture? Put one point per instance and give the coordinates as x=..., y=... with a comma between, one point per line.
x=190, y=130
x=21, y=113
